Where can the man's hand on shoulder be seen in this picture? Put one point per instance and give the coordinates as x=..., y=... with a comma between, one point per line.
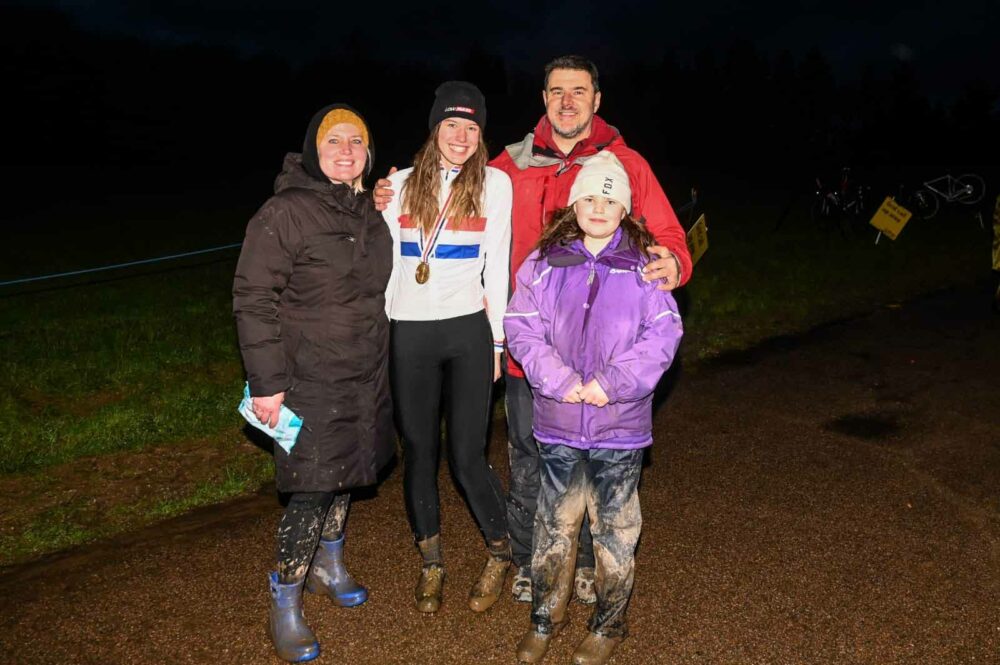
x=666, y=268
x=383, y=192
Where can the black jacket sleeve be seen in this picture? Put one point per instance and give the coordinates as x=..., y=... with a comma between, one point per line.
x=263, y=270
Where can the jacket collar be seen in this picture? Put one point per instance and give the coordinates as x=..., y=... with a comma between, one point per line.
x=601, y=134
x=538, y=149
x=620, y=253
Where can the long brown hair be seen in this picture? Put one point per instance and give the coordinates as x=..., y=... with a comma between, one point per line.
x=420, y=193
x=564, y=229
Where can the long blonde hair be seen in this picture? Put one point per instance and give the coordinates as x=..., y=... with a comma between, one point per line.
x=420, y=193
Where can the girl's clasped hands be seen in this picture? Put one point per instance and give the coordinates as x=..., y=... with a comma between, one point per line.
x=591, y=393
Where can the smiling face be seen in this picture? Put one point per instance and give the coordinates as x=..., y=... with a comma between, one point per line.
x=342, y=153
x=598, y=218
x=457, y=141
x=570, y=104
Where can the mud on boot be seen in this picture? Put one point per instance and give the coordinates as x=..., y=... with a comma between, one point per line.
x=521, y=588
x=583, y=586
x=487, y=590
x=293, y=640
x=595, y=649
x=431, y=581
x=534, y=645
x=429, y=588
x=328, y=576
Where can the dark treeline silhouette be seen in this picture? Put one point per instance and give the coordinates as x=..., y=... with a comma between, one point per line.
x=89, y=112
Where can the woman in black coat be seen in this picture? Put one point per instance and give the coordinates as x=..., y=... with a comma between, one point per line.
x=310, y=312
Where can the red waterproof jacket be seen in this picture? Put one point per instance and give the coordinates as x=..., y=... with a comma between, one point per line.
x=542, y=176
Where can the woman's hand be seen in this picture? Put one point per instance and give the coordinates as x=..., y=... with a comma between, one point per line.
x=593, y=393
x=573, y=396
x=267, y=409
x=496, y=366
x=383, y=192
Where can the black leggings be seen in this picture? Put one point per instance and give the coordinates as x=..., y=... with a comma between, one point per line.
x=455, y=355
x=308, y=516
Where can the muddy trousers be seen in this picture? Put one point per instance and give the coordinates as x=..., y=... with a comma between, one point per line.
x=454, y=357
x=522, y=498
x=603, y=483
x=308, y=516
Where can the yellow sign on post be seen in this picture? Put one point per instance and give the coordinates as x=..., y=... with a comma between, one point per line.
x=697, y=239
x=891, y=218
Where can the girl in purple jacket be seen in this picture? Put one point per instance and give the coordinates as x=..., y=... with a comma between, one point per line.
x=594, y=340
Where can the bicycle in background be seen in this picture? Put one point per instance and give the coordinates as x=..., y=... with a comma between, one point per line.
x=925, y=201
x=841, y=205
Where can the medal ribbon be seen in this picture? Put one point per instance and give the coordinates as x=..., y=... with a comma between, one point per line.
x=435, y=232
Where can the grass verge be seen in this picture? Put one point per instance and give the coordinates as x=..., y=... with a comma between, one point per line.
x=117, y=398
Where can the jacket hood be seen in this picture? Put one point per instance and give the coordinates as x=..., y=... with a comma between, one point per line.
x=310, y=157
x=294, y=176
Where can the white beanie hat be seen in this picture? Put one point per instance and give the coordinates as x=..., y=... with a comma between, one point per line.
x=602, y=175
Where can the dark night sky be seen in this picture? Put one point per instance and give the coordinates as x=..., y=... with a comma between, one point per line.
x=947, y=42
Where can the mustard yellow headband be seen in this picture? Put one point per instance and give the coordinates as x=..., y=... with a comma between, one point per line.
x=337, y=116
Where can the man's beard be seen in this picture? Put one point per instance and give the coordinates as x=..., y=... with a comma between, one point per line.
x=573, y=132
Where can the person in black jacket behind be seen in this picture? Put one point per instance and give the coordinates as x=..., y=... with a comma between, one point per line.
x=309, y=302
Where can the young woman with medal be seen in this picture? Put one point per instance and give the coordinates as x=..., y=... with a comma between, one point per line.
x=446, y=300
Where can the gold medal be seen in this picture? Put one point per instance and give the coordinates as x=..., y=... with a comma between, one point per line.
x=423, y=272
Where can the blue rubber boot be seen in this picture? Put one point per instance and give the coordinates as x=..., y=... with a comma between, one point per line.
x=328, y=576
x=293, y=640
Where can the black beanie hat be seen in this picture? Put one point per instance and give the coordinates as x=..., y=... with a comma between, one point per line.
x=458, y=99
x=310, y=155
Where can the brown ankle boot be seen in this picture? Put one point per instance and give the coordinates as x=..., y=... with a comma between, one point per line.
x=431, y=582
x=487, y=590
x=534, y=644
x=595, y=649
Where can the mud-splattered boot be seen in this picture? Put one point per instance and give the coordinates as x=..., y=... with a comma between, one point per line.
x=487, y=590
x=293, y=640
x=595, y=649
x=328, y=576
x=521, y=588
x=583, y=586
x=535, y=643
x=431, y=582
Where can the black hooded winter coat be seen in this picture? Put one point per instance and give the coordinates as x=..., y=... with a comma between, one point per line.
x=309, y=301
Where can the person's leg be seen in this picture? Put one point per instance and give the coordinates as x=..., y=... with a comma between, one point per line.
x=298, y=534
x=522, y=494
x=613, y=502
x=328, y=575
x=416, y=367
x=416, y=392
x=468, y=388
x=561, y=505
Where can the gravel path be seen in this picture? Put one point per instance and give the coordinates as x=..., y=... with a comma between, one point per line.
x=831, y=498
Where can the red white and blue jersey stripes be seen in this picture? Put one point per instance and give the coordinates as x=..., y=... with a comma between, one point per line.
x=469, y=257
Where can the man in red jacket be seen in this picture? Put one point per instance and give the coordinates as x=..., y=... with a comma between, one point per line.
x=542, y=169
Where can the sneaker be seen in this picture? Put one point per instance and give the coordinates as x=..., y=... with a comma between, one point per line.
x=583, y=586
x=521, y=589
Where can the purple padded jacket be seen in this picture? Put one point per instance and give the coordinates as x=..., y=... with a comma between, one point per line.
x=574, y=318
